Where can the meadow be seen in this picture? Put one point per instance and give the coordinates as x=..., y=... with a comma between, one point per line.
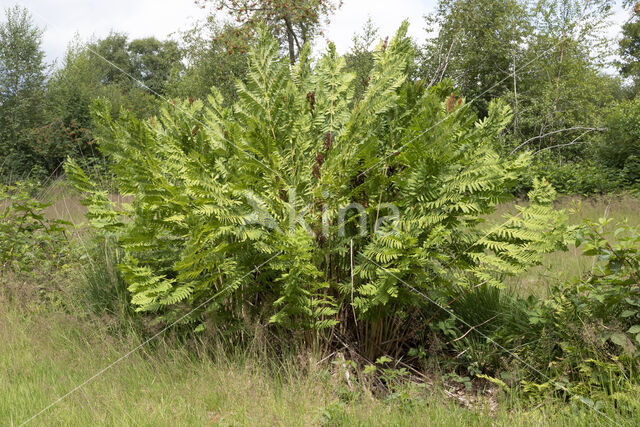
x=57, y=357
x=46, y=354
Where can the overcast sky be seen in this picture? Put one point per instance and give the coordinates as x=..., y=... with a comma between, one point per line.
x=62, y=19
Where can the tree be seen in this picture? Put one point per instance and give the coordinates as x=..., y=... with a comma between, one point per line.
x=148, y=60
x=152, y=61
x=360, y=58
x=477, y=44
x=563, y=90
x=106, y=68
x=293, y=22
x=75, y=84
x=630, y=46
x=85, y=76
x=208, y=64
x=113, y=49
x=22, y=86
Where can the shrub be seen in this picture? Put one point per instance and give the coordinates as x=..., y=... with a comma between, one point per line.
x=611, y=293
x=303, y=207
x=585, y=177
x=585, y=337
x=29, y=242
x=51, y=144
x=40, y=151
x=620, y=147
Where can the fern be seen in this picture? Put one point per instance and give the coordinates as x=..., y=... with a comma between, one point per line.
x=274, y=181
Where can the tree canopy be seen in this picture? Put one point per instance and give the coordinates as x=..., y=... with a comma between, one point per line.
x=292, y=22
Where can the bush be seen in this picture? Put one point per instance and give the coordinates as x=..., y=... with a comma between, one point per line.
x=51, y=144
x=280, y=208
x=40, y=151
x=585, y=337
x=620, y=147
x=585, y=177
x=30, y=244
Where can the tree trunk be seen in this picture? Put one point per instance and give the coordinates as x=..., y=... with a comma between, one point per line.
x=290, y=39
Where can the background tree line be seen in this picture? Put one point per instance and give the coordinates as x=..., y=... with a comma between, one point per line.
x=575, y=107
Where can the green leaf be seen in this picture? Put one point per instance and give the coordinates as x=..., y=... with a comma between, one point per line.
x=369, y=369
x=382, y=360
x=619, y=339
x=635, y=329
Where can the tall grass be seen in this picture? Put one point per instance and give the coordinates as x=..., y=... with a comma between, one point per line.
x=46, y=351
x=45, y=355
x=102, y=287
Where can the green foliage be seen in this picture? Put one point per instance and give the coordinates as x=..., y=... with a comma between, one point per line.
x=630, y=45
x=496, y=313
x=562, y=88
x=116, y=60
x=209, y=64
x=58, y=124
x=477, y=44
x=246, y=212
x=152, y=61
x=584, y=337
x=43, y=122
x=611, y=292
x=585, y=177
x=49, y=145
x=620, y=148
x=106, y=68
x=29, y=242
x=360, y=58
x=590, y=326
x=22, y=85
x=546, y=59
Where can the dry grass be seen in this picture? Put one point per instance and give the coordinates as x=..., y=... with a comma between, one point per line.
x=66, y=202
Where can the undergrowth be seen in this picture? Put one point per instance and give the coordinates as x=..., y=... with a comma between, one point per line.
x=576, y=351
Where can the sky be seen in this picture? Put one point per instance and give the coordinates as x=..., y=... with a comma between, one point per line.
x=64, y=19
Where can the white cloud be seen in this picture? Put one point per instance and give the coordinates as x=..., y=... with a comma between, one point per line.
x=618, y=18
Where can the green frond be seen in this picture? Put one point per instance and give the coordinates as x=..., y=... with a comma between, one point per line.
x=299, y=203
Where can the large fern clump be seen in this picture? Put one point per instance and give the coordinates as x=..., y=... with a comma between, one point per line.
x=313, y=210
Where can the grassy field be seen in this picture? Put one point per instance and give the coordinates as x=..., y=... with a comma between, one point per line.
x=568, y=265
x=46, y=354
x=53, y=358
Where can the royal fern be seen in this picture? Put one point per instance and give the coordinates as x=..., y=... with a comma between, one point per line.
x=340, y=202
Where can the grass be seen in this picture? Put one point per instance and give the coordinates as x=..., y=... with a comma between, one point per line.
x=48, y=350
x=564, y=266
x=65, y=202
x=47, y=354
